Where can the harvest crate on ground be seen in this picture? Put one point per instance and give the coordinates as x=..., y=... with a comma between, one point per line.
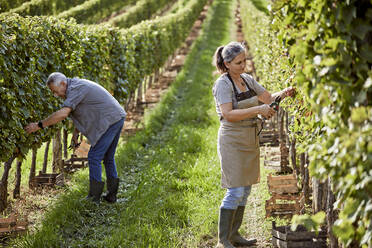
x=74, y=163
x=12, y=226
x=48, y=179
x=283, y=237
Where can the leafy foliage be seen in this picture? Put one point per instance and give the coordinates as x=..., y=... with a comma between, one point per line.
x=143, y=10
x=6, y=5
x=92, y=11
x=327, y=45
x=31, y=48
x=44, y=7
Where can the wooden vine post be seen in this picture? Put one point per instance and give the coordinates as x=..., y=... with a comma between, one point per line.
x=151, y=80
x=46, y=152
x=331, y=216
x=139, y=94
x=32, y=169
x=17, y=187
x=305, y=177
x=319, y=195
x=57, y=152
x=65, y=135
x=4, y=184
x=293, y=154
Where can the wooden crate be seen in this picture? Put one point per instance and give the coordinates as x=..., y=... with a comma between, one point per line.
x=285, y=184
x=269, y=137
x=74, y=163
x=283, y=237
x=285, y=205
x=48, y=179
x=12, y=226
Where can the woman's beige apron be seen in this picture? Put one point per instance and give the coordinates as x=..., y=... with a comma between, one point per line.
x=238, y=150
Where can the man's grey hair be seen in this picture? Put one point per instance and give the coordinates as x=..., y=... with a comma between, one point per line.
x=56, y=78
x=231, y=50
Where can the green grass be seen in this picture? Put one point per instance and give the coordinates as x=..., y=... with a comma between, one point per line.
x=170, y=191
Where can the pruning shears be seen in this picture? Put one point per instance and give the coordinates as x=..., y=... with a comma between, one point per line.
x=274, y=105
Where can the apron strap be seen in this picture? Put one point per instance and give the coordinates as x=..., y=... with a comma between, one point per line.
x=248, y=95
x=253, y=92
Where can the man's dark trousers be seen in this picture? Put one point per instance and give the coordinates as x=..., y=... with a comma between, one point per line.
x=104, y=150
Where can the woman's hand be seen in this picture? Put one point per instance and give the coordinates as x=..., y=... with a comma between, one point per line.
x=266, y=111
x=290, y=91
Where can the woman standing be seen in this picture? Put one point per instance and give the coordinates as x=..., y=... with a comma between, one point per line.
x=236, y=95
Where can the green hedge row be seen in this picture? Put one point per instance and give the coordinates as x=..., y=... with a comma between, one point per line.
x=143, y=10
x=6, y=5
x=44, y=7
x=327, y=47
x=93, y=11
x=31, y=48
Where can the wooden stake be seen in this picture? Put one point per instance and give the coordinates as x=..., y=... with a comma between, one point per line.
x=17, y=190
x=57, y=152
x=32, y=169
x=46, y=153
x=65, y=135
x=4, y=184
x=331, y=216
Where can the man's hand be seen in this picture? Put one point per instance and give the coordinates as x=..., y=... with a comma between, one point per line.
x=32, y=127
x=51, y=120
x=74, y=140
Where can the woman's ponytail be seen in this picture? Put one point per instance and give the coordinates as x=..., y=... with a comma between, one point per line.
x=218, y=60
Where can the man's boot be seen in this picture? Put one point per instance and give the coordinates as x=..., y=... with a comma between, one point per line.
x=224, y=228
x=112, y=189
x=235, y=237
x=95, y=190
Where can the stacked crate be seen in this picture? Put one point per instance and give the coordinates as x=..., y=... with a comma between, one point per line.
x=286, y=199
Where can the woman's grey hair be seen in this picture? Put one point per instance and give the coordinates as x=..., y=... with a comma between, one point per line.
x=56, y=78
x=227, y=54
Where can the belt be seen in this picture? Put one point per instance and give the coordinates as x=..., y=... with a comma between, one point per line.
x=244, y=123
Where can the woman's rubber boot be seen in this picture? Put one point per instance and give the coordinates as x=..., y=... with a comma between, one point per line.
x=224, y=228
x=235, y=237
x=112, y=189
x=95, y=191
